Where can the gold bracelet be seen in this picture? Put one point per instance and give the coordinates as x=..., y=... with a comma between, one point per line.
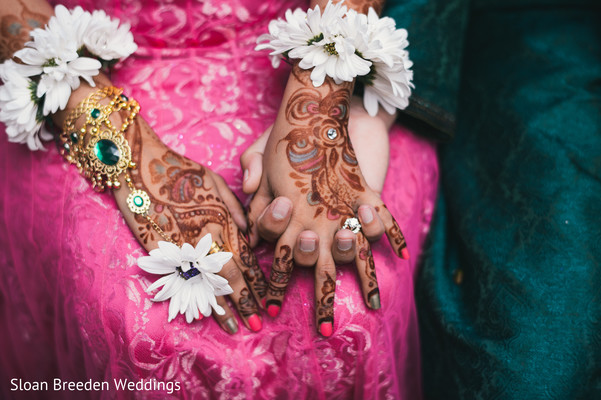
x=105, y=155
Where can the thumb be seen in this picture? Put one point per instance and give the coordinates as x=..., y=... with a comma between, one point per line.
x=252, y=163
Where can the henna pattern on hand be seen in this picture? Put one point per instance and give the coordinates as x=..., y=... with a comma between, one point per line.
x=325, y=305
x=246, y=304
x=364, y=253
x=280, y=274
x=319, y=150
x=253, y=273
x=183, y=203
x=14, y=30
x=395, y=236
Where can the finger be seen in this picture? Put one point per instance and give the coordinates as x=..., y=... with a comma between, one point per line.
x=274, y=220
x=343, y=247
x=393, y=232
x=371, y=224
x=305, y=251
x=257, y=205
x=232, y=202
x=281, y=271
x=253, y=274
x=367, y=273
x=325, y=286
x=227, y=321
x=252, y=165
x=242, y=297
x=251, y=162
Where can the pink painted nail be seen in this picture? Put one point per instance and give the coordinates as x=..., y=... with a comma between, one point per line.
x=405, y=254
x=273, y=310
x=255, y=322
x=325, y=328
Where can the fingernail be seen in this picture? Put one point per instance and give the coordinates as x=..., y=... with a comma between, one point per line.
x=307, y=245
x=374, y=301
x=273, y=310
x=255, y=323
x=232, y=325
x=405, y=254
x=245, y=177
x=345, y=244
x=280, y=209
x=325, y=328
x=366, y=215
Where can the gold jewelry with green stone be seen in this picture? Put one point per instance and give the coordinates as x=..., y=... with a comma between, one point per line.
x=100, y=151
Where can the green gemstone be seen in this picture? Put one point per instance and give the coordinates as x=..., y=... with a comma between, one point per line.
x=138, y=201
x=107, y=152
x=74, y=137
x=124, y=97
x=95, y=113
x=67, y=147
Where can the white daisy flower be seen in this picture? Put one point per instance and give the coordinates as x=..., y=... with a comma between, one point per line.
x=104, y=38
x=317, y=40
x=18, y=110
x=390, y=87
x=53, y=53
x=191, y=284
x=285, y=35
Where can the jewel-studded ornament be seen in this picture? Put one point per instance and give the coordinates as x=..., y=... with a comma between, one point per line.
x=332, y=134
x=352, y=224
x=138, y=201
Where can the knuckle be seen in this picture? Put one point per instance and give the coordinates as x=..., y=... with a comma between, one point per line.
x=232, y=274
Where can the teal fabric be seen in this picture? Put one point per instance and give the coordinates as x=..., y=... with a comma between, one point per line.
x=436, y=36
x=509, y=294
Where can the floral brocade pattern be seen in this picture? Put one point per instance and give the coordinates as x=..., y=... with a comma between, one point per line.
x=76, y=299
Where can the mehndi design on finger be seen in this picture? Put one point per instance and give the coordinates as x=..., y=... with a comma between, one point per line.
x=325, y=305
x=280, y=275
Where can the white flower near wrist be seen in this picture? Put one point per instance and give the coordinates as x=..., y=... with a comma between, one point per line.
x=190, y=282
x=344, y=45
x=53, y=64
x=17, y=107
x=105, y=39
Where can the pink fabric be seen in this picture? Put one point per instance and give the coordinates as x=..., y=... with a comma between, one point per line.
x=72, y=298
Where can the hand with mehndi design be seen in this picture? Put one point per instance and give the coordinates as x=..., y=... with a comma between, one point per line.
x=188, y=201
x=310, y=160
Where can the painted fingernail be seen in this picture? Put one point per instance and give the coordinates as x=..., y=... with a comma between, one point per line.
x=325, y=328
x=273, y=310
x=280, y=209
x=232, y=325
x=307, y=245
x=374, y=301
x=255, y=323
x=345, y=244
x=245, y=177
x=366, y=215
x=405, y=254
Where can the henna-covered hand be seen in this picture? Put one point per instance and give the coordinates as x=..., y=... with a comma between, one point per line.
x=310, y=160
x=187, y=202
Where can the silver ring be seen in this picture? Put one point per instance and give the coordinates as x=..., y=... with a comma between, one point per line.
x=352, y=224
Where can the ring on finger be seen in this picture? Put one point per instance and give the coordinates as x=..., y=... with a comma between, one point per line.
x=216, y=248
x=352, y=224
